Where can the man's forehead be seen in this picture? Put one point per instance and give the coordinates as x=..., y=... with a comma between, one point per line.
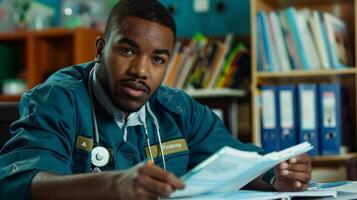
x=137, y=29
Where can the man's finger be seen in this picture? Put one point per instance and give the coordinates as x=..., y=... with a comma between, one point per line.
x=295, y=167
x=299, y=186
x=304, y=185
x=298, y=176
x=163, y=176
x=141, y=193
x=154, y=186
x=304, y=158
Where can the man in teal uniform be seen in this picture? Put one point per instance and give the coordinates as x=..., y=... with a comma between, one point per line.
x=55, y=143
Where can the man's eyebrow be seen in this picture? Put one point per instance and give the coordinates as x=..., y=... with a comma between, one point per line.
x=162, y=51
x=130, y=42
x=136, y=45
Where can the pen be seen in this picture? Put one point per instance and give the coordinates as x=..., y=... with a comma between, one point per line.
x=315, y=185
x=333, y=184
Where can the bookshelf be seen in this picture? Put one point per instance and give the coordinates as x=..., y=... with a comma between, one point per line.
x=40, y=53
x=229, y=104
x=215, y=71
x=216, y=93
x=304, y=73
x=347, y=77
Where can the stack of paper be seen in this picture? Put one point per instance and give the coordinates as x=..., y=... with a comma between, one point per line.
x=230, y=169
x=259, y=195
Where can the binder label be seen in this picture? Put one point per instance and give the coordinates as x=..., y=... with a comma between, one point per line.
x=286, y=109
x=329, y=110
x=308, y=121
x=268, y=111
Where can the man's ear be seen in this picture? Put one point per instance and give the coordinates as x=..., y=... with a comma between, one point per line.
x=99, y=46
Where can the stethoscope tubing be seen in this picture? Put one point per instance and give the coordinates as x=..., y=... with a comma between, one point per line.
x=96, y=131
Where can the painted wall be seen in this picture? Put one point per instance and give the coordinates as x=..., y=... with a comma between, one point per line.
x=233, y=18
x=56, y=5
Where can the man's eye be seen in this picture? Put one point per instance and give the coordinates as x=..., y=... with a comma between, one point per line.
x=158, y=60
x=126, y=51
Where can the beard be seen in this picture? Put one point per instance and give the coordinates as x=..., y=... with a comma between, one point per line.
x=125, y=103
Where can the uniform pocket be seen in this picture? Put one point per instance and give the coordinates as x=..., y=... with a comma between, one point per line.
x=176, y=163
x=80, y=161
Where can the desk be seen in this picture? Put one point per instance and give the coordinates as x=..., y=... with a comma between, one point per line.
x=346, y=192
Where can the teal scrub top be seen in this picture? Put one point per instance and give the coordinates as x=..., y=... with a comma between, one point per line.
x=55, y=120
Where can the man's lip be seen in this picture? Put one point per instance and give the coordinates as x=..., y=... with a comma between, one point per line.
x=135, y=89
x=133, y=92
x=135, y=86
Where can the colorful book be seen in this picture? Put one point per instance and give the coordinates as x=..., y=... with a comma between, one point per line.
x=269, y=52
x=304, y=15
x=279, y=40
x=337, y=37
x=292, y=49
x=299, y=36
x=318, y=37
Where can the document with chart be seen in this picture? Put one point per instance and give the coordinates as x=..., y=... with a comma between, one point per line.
x=230, y=169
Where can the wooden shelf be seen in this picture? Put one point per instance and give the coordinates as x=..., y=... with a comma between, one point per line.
x=306, y=73
x=214, y=93
x=333, y=160
x=46, y=51
x=52, y=32
x=298, y=2
x=10, y=97
x=10, y=36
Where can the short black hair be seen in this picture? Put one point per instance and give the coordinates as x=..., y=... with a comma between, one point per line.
x=151, y=10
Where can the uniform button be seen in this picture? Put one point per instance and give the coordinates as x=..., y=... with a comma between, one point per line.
x=179, y=109
x=14, y=168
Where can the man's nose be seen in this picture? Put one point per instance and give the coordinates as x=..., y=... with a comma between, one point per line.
x=139, y=67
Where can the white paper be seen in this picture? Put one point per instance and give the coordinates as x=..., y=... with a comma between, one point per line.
x=261, y=195
x=230, y=169
x=239, y=194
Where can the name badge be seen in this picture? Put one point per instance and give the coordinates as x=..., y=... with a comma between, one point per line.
x=83, y=143
x=168, y=147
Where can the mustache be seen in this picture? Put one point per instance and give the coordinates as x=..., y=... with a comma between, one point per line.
x=136, y=84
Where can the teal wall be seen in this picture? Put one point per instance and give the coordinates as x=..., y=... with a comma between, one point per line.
x=234, y=18
x=56, y=5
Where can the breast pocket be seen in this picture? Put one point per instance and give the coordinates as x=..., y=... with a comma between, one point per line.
x=176, y=163
x=80, y=161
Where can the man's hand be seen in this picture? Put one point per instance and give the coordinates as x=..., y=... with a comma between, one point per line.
x=294, y=174
x=143, y=181
x=146, y=182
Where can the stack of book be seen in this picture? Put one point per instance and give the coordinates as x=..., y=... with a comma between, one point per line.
x=304, y=39
x=205, y=63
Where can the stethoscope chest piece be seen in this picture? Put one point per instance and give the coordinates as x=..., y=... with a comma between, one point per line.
x=100, y=156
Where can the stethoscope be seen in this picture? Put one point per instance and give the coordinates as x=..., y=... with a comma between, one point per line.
x=100, y=156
